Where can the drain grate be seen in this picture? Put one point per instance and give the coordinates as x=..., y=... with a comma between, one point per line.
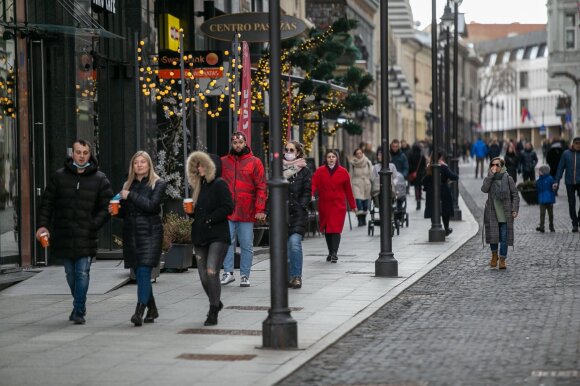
x=216, y=357
x=556, y=373
x=207, y=331
x=258, y=308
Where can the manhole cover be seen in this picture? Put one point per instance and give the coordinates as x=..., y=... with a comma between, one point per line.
x=209, y=331
x=216, y=357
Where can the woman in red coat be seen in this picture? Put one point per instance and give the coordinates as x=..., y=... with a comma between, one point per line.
x=332, y=182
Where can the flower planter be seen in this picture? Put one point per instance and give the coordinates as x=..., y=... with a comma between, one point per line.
x=530, y=196
x=179, y=257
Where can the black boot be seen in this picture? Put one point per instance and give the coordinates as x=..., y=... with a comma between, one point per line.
x=333, y=257
x=137, y=318
x=361, y=219
x=418, y=205
x=152, y=312
x=212, y=316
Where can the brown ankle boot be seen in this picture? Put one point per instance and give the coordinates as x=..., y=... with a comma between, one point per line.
x=493, y=261
x=502, y=263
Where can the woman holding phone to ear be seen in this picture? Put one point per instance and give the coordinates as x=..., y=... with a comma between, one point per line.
x=501, y=209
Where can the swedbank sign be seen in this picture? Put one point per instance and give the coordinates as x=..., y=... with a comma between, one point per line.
x=252, y=26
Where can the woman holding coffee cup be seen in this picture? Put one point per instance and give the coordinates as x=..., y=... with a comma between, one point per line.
x=140, y=209
x=209, y=206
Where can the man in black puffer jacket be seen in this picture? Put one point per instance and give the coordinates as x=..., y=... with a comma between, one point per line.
x=73, y=209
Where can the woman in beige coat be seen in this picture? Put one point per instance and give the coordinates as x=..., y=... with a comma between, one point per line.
x=361, y=176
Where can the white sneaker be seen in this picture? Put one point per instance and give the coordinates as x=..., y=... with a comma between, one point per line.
x=244, y=282
x=227, y=278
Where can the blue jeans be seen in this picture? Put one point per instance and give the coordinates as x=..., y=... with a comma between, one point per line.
x=295, y=257
x=503, y=247
x=245, y=233
x=144, y=289
x=362, y=204
x=77, y=277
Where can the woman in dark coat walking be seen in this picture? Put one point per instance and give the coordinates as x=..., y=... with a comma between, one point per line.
x=501, y=209
x=210, y=232
x=299, y=192
x=511, y=162
x=417, y=167
x=445, y=192
x=140, y=210
x=332, y=183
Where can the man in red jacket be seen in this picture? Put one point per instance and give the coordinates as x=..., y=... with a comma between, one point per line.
x=244, y=174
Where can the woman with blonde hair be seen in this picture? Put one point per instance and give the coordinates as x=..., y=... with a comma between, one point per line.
x=140, y=210
x=210, y=231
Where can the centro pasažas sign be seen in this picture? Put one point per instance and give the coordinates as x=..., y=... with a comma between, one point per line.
x=252, y=26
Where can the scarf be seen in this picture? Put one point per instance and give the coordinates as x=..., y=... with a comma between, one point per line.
x=245, y=150
x=360, y=163
x=291, y=168
x=500, y=189
x=331, y=170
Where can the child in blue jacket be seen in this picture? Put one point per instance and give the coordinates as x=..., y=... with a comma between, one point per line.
x=546, y=197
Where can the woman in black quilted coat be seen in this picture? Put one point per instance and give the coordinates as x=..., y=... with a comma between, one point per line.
x=141, y=200
x=210, y=231
x=299, y=192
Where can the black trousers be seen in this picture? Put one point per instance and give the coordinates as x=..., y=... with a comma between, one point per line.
x=572, y=191
x=332, y=242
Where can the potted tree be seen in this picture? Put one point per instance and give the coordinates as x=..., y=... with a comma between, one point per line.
x=528, y=192
x=177, y=242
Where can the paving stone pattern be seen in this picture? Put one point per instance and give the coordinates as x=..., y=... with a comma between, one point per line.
x=466, y=324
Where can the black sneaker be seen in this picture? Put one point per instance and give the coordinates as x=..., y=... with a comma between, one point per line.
x=328, y=258
x=71, y=316
x=333, y=258
x=552, y=228
x=448, y=231
x=540, y=229
x=575, y=229
x=78, y=318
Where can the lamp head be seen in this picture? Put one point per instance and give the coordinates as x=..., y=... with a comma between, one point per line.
x=447, y=19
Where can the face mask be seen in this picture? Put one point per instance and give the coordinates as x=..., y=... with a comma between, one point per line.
x=290, y=156
x=81, y=166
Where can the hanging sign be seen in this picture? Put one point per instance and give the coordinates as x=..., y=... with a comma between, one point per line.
x=252, y=26
x=104, y=5
x=206, y=64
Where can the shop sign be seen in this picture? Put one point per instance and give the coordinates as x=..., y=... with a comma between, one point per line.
x=252, y=26
x=206, y=64
x=172, y=26
x=104, y=5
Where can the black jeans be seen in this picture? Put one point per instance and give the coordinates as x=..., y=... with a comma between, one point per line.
x=572, y=191
x=209, y=261
x=332, y=242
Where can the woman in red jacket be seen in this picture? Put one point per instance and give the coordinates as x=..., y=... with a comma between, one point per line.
x=332, y=182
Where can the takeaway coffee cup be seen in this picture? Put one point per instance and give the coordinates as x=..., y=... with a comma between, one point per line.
x=114, y=207
x=188, y=205
x=44, y=240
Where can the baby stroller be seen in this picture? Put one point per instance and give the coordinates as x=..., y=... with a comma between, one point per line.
x=400, y=215
x=398, y=201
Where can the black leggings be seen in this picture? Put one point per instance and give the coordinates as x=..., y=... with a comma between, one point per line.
x=332, y=242
x=445, y=222
x=209, y=261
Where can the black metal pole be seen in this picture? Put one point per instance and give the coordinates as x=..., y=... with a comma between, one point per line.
x=279, y=330
x=386, y=265
x=441, y=78
x=457, y=215
x=447, y=75
x=436, y=233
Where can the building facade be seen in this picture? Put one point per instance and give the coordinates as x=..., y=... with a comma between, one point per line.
x=564, y=60
x=515, y=98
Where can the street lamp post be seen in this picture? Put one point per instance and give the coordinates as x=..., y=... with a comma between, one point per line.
x=436, y=233
x=279, y=330
x=447, y=93
x=386, y=265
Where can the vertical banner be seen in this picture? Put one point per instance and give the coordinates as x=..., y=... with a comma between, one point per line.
x=245, y=119
x=289, y=127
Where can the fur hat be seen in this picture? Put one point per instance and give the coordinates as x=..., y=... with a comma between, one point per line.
x=196, y=158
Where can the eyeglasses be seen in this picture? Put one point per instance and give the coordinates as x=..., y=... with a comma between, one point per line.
x=498, y=165
x=288, y=150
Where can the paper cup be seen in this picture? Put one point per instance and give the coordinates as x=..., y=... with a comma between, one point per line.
x=188, y=205
x=114, y=207
x=44, y=240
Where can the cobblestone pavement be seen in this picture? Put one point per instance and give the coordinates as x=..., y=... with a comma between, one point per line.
x=466, y=324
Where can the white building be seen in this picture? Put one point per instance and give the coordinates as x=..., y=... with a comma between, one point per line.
x=515, y=98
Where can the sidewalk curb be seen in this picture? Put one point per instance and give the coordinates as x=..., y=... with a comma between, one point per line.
x=298, y=361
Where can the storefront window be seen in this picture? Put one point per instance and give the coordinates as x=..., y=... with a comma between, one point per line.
x=9, y=237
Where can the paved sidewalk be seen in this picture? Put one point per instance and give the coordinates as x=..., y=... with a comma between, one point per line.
x=39, y=346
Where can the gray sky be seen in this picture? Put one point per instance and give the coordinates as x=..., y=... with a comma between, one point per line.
x=486, y=11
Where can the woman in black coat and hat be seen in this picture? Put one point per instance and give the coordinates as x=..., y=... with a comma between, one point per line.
x=210, y=231
x=446, y=198
x=140, y=210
